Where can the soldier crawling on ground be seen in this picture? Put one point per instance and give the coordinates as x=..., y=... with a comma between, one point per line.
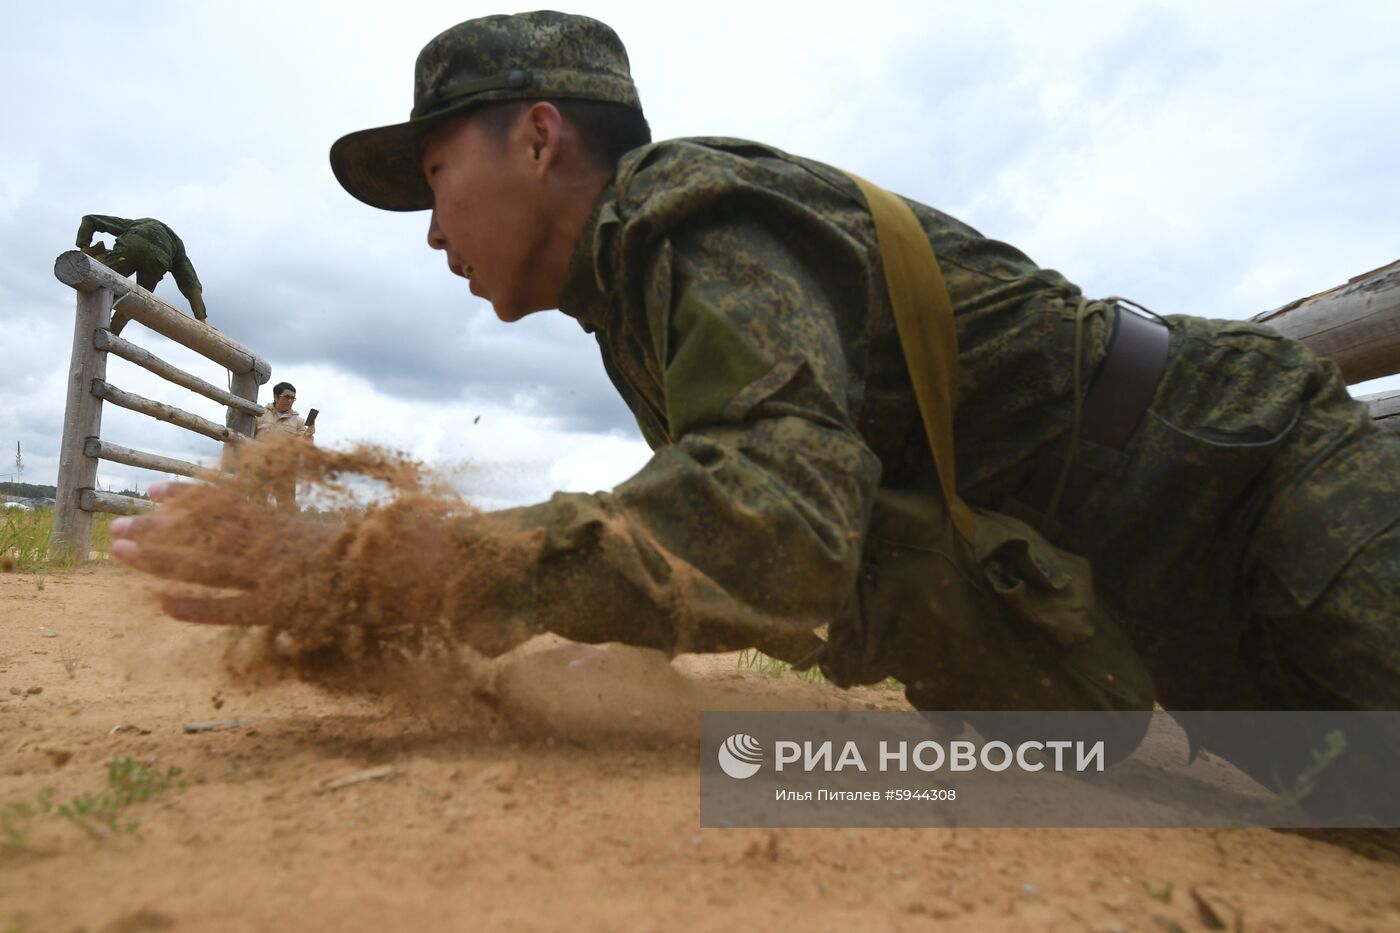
x=1240, y=512
x=147, y=248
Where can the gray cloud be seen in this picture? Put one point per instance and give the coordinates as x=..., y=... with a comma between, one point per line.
x=1200, y=158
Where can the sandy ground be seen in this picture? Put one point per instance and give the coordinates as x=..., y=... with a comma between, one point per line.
x=534, y=821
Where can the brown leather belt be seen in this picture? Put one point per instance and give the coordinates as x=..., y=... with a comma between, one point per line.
x=1121, y=390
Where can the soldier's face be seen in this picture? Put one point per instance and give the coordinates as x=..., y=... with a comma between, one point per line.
x=489, y=215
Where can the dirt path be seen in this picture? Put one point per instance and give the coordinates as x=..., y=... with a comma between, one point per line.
x=461, y=822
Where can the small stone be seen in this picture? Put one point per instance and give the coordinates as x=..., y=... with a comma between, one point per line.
x=501, y=777
x=16, y=691
x=135, y=730
x=1030, y=889
x=358, y=777
x=47, y=632
x=34, y=691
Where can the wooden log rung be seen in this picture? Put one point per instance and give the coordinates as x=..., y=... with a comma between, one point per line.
x=163, y=412
x=80, y=271
x=1356, y=324
x=95, y=447
x=110, y=342
x=1385, y=409
x=93, y=500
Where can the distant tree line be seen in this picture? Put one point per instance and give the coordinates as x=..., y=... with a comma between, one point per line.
x=37, y=491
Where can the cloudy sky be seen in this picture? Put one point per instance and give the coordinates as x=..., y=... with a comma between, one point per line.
x=1208, y=158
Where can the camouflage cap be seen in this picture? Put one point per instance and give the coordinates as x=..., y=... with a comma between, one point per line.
x=527, y=56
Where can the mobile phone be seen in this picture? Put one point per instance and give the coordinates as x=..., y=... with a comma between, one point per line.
x=311, y=417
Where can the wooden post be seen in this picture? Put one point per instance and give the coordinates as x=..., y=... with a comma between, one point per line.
x=1357, y=324
x=72, y=525
x=244, y=385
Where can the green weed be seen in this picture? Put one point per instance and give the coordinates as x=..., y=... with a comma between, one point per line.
x=1159, y=894
x=750, y=659
x=99, y=814
x=24, y=541
x=1334, y=745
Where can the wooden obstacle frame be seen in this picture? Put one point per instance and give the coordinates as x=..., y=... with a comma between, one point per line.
x=100, y=291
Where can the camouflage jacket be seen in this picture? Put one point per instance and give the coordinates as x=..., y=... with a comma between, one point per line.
x=738, y=300
x=149, y=244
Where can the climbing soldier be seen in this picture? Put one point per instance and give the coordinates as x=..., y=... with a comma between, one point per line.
x=147, y=248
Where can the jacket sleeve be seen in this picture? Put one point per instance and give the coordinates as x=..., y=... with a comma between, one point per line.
x=746, y=529
x=182, y=270
x=100, y=223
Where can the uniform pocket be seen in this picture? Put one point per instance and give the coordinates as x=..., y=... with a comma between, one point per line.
x=1037, y=582
x=1196, y=490
x=1231, y=396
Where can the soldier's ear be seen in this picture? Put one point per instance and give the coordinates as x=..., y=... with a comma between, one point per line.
x=543, y=128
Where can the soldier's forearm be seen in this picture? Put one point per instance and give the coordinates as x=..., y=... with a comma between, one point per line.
x=188, y=284
x=196, y=299
x=690, y=555
x=557, y=567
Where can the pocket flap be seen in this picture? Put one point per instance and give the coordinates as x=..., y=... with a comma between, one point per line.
x=1043, y=584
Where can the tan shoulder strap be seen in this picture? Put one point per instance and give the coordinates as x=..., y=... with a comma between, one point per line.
x=923, y=315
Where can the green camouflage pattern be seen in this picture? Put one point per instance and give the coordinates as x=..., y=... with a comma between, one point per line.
x=527, y=56
x=1251, y=520
x=738, y=302
x=566, y=56
x=146, y=248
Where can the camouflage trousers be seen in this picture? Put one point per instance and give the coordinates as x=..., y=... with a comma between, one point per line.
x=1247, y=540
x=122, y=264
x=1247, y=533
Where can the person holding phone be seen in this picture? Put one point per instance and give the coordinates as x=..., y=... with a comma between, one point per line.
x=279, y=417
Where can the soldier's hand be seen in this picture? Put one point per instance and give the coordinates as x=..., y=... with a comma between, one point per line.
x=386, y=578
x=214, y=537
